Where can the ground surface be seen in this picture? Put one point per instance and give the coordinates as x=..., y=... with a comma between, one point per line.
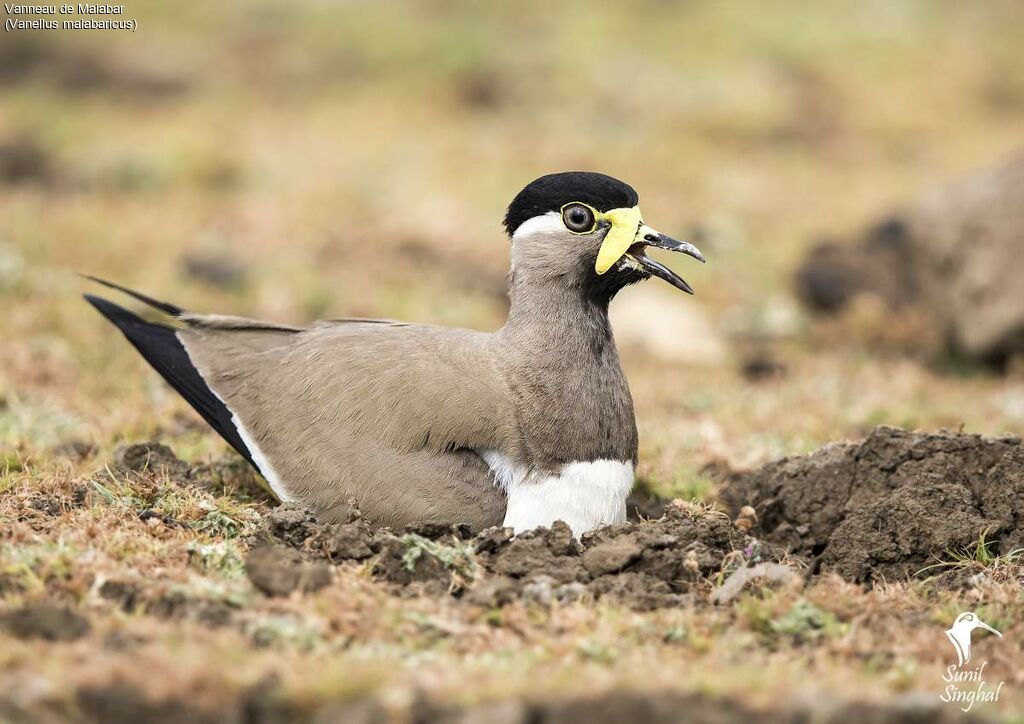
x=330, y=161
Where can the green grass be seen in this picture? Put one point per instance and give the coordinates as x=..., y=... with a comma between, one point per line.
x=980, y=556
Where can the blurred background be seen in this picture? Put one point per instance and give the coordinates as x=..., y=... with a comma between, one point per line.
x=307, y=159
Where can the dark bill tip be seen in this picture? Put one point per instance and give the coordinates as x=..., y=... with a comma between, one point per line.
x=661, y=271
x=667, y=242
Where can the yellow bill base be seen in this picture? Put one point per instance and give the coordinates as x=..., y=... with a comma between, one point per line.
x=622, y=235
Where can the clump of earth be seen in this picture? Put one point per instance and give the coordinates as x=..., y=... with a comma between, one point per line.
x=952, y=257
x=881, y=509
x=120, y=703
x=886, y=508
x=892, y=505
x=645, y=565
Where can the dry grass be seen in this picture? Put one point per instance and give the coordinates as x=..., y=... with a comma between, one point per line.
x=356, y=160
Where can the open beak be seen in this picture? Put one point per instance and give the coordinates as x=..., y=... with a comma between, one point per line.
x=645, y=237
x=626, y=241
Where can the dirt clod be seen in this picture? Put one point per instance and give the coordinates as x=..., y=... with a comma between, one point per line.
x=293, y=525
x=761, y=368
x=775, y=573
x=23, y=160
x=953, y=255
x=885, y=508
x=44, y=621
x=220, y=271
x=278, y=571
x=890, y=505
x=645, y=565
x=122, y=703
x=641, y=505
x=553, y=552
x=125, y=593
x=612, y=556
x=351, y=539
x=408, y=561
x=151, y=457
x=348, y=541
x=118, y=702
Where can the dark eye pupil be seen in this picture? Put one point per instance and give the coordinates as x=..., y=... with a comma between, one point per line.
x=578, y=218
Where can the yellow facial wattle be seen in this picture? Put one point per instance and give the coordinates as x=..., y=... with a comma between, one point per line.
x=625, y=223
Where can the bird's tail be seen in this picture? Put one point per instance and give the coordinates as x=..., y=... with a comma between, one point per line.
x=160, y=346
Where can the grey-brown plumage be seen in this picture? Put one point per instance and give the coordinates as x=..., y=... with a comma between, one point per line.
x=424, y=423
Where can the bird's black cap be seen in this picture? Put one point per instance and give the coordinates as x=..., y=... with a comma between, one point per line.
x=552, y=192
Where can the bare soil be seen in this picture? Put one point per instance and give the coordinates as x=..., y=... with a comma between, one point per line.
x=259, y=705
x=891, y=505
x=49, y=622
x=871, y=512
x=886, y=508
x=643, y=565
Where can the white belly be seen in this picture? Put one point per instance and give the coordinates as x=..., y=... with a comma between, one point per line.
x=583, y=495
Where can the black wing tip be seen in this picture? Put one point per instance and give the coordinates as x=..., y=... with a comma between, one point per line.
x=160, y=346
x=105, y=305
x=118, y=315
x=111, y=311
x=165, y=307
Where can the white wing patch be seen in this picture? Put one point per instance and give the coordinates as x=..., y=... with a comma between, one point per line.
x=265, y=468
x=262, y=464
x=585, y=495
x=505, y=472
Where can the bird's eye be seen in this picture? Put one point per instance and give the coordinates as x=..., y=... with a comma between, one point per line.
x=578, y=218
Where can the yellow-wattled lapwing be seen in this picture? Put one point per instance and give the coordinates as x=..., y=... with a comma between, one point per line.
x=419, y=423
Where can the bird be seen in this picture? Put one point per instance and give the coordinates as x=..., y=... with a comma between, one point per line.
x=417, y=423
x=959, y=634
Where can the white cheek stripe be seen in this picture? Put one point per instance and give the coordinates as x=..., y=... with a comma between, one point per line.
x=585, y=495
x=549, y=223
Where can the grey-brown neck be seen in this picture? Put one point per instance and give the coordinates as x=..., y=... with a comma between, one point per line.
x=570, y=397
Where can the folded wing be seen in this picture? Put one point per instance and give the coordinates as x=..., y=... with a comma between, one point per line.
x=387, y=414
